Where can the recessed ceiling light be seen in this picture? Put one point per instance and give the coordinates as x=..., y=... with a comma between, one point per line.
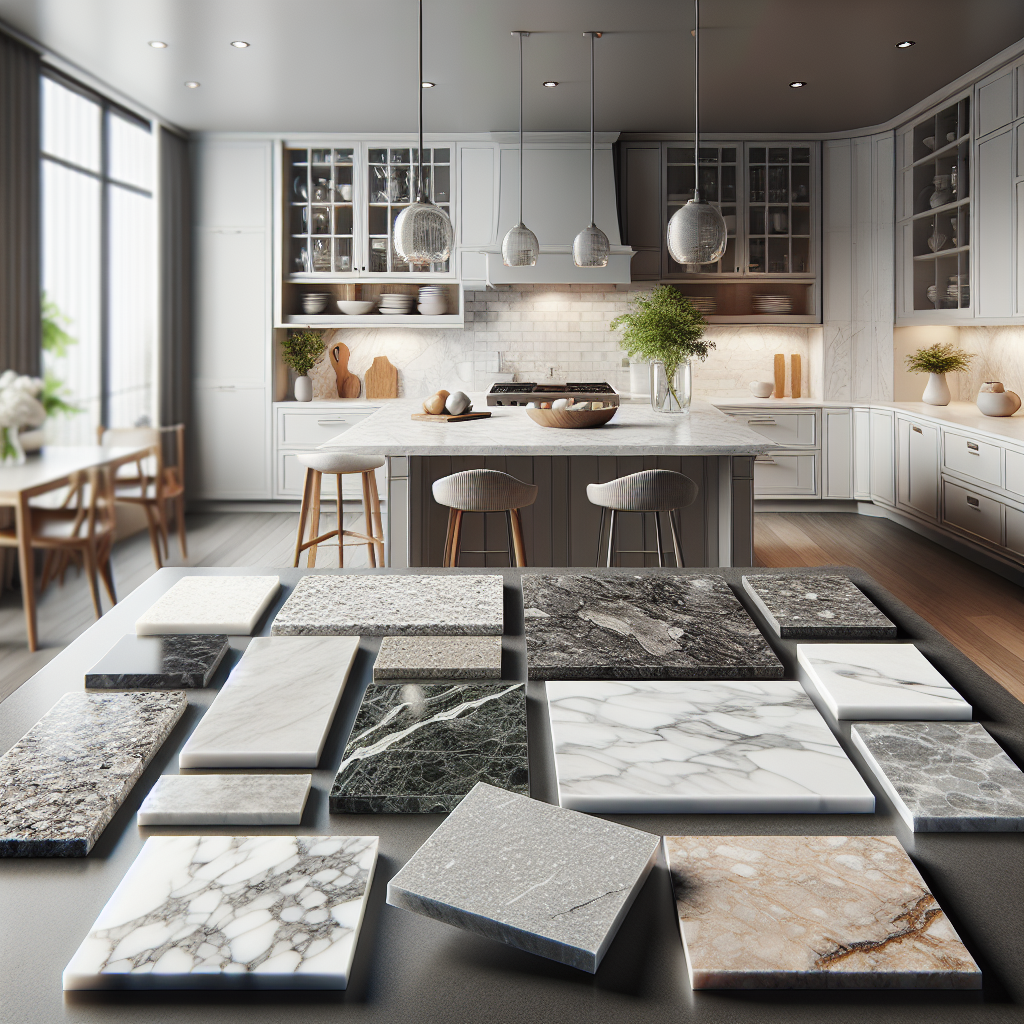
x=428, y=85
x=239, y=44
x=905, y=44
x=191, y=85
x=550, y=85
x=797, y=85
x=157, y=44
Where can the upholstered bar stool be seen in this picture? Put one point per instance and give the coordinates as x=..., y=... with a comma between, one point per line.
x=651, y=490
x=483, y=490
x=338, y=464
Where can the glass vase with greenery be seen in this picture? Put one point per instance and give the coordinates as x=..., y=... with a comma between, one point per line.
x=937, y=360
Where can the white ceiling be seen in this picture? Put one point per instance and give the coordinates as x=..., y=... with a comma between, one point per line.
x=349, y=65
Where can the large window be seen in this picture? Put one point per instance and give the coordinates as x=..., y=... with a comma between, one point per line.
x=99, y=259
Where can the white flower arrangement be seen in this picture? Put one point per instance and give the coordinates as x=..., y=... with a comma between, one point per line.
x=19, y=407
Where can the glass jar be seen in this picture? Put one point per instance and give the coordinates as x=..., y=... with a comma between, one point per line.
x=671, y=395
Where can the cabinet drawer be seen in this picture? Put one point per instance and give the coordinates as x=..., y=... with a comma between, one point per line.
x=291, y=474
x=976, y=459
x=785, y=474
x=1015, y=472
x=972, y=512
x=1014, y=530
x=314, y=428
x=792, y=429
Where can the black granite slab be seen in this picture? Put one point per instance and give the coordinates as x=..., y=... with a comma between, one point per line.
x=421, y=747
x=183, y=662
x=644, y=626
x=799, y=605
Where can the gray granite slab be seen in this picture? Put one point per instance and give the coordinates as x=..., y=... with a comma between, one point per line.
x=178, y=662
x=371, y=605
x=800, y=605
x=225, y=800
x=535, y=876
x=944, y=776
x=421, y=747
x=438, y=657
x=63, y=781
x=644, y=626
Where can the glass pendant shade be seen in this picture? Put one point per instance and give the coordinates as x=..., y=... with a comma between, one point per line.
x=423, y=234
x=590, y=248
x=696, y=233
x=520, y=247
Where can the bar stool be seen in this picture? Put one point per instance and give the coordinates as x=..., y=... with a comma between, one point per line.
x=651, y=490
x=483, y=490
x=340, y=464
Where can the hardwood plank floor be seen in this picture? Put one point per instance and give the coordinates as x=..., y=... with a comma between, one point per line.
x=979, y=611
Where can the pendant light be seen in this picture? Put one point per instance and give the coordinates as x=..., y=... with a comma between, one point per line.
x=423, y=232
x=520, y=246
x=696, y=231
x=590, y=247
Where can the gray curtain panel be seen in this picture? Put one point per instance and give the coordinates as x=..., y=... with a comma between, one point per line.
x=19, y=207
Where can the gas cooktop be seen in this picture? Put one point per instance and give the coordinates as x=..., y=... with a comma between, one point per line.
x=522, y=392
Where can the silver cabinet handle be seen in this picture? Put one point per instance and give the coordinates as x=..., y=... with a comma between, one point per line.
x=916, y=430
x=974, y=503
x=330, y=423
x=971, y=451
x=764, y=460
x=765, y=421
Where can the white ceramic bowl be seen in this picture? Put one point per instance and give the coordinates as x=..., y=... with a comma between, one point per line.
x=761, y=388
x=352, y=308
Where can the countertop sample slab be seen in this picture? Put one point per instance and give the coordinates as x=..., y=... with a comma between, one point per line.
x=944, y=776
x=176, y=662
x=62, y=782
x=688, y=747
x=438, y=657
x=276, y=707
x=811, y=912
x=537, y=877
x=643, y=626
x=210, y=604
x=226, y=800
x=379, y=605
x=865, y=681
x=231, y=912
x=421, y=747
x=800, y=605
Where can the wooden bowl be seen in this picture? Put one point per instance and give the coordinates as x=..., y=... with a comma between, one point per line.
x=567, y=419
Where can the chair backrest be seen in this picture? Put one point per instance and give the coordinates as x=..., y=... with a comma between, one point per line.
x=135, y=437
x=174, y=453
x=91, y=496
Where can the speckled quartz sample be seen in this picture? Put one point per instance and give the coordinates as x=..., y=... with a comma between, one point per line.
x=944, y=776
x=63, y=781
x=231, y=912
x=226, y=800
x=811, y=912
x=666, y=747
x=277, y=706
x=534, y=876
x=421, y=747
x=647, y=626
x=863, y=681
x=438, y=657
x=210, y=604
x=388, y=605
x=158, y=662
x=801, y=605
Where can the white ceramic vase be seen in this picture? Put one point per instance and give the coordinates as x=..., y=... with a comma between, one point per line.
x=303, y=389
x=936, y=391
x=995, y=400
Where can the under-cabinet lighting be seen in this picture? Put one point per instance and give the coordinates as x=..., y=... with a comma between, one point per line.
x=158, y=44
x=906, y=44
x=797, y=85
x=191, y=85
x=550, y=85
x=239, y=44
x=428, y=85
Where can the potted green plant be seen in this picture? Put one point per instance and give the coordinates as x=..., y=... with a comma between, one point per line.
x=937, y=360
x=300, y=351
x=663, y=327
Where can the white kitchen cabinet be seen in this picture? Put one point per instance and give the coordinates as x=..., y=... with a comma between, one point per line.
x=838, y=473
x=993, y=203
x=972, y=512
x=230, y=458
x=1014, y=530
x=1015, y=472
x=917, y=467
x=995, y=102
x=786, y=474
x=232, y=182
x=862, y=454
x=968, y=456
x=882, y=488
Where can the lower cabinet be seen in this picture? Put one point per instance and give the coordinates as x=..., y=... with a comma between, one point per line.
x=917, y=467
x=881, y=480
x=230, y=445
x=862, y=454
x=786, y=473
x=1014, y=530
x=838, y=473
x=972, y=512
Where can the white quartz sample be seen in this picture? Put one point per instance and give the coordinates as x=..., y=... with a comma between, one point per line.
x=702, y=747
x=276, y=708
x=232, y=912
x=210, y=604
x=892, y=681
x=226, y=800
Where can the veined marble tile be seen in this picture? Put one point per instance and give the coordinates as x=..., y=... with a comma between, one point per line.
x=232, y=912
x=226, y=800
x=438, y=657
x=859, y=681
x=159, y=662
x=944, y=776
x=388, y=605
x=666, y=747
x=277, y=706
x=529, y=874
x=644, y=626
x=801, y=605
x=421, y=747
x=63, y=781
x=811, y=912
x=210, y=604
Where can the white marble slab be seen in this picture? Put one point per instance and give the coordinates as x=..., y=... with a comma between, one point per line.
x=890, y=681
x=231, y=912
x=698, y=747
x=210, y=604
x=276, y=708
x=226, y=800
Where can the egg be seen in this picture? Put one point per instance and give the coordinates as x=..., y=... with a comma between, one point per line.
x=561, y=403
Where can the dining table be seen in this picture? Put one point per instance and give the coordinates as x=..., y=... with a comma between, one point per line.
x=49, y=470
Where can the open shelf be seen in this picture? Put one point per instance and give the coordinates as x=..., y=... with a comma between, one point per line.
x=331, y=317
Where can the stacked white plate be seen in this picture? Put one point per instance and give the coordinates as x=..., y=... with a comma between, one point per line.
x=313, y=303
x=704, y=304
x=767, y=304
x=396, y=304
x=432, y=301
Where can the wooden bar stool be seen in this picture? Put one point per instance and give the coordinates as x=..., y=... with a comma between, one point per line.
x=483, y=490
x=651, y=490
x=338, y=464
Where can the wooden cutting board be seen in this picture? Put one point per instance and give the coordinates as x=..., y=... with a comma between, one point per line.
x=447, y=417
x=382, y=379
x=348, y=383
x=780, y=375
x=796, y=375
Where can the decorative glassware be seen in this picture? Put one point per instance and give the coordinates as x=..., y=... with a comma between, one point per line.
x=519, y=247
x=11, y=451
x=675, y=394
x=590, y=248
x=942, y=194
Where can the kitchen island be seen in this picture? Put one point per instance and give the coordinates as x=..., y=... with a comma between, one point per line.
x=561, y=528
